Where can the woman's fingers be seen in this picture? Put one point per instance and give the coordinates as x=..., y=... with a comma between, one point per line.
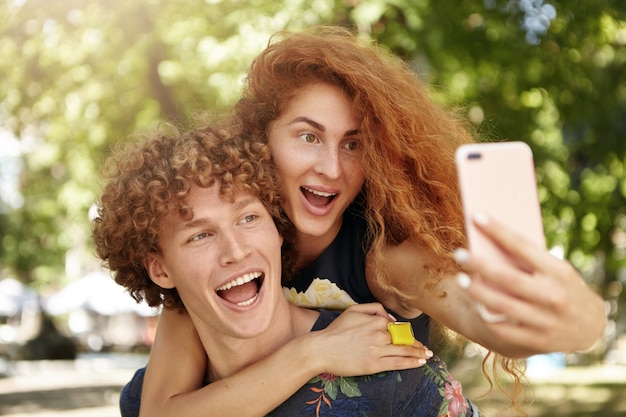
x=360, y=342
x=538, y=295
x=504, y=277
x=518, y=247
x=373, y=309
x=515, y=305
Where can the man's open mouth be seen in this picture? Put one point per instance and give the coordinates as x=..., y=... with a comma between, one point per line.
x=243, y=290
x=317, y=198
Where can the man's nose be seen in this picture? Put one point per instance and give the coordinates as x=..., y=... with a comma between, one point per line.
x=233, y=247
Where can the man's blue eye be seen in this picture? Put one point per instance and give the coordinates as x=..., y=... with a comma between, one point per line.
x=249, y=218
x=200, y=236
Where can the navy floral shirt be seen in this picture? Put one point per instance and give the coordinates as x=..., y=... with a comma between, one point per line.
x=428, y=391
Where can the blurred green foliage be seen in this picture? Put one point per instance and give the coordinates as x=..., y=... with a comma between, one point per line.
x=77, y=76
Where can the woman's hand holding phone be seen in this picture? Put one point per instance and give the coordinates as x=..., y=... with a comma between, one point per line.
x=528, y=296
x=547, y=305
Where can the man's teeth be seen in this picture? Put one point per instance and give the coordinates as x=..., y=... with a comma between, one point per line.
x=247, y=303
x=320, y=193
x=244, y=279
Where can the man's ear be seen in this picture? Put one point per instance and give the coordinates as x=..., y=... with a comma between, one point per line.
x=158, y=274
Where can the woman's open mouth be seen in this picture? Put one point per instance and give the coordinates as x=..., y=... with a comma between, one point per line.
x=317, y=198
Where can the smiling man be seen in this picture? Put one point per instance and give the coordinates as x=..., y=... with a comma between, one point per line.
x=193, y=222
x=225, y=263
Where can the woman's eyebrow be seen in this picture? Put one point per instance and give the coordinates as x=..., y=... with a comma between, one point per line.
x=307, y=120
x=320, y=126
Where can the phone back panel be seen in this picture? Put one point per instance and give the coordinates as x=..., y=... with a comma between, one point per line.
x=499, y=179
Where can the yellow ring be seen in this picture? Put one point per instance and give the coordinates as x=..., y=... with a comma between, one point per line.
x=401, y=333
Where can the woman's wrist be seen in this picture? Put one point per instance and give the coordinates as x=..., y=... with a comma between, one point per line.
x=307, y=354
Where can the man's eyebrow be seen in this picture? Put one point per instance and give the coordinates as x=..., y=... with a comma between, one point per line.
x=245, y=201
x=320, y=126
x=193, y=223
x=237, y=205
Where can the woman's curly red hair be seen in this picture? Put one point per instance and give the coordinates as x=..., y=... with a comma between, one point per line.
x=409, y=141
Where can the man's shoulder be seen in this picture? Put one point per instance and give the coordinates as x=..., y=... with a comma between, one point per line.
x=325, y=318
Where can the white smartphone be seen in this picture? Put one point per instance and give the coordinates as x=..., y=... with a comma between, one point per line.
x=498, y=179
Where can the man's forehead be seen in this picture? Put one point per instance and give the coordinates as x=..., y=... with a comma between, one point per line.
x=204, y=198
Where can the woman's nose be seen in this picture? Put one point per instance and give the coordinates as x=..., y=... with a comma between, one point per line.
x=328, y=163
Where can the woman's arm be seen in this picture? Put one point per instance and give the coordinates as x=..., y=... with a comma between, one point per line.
x=356, y=343
x=549, y=309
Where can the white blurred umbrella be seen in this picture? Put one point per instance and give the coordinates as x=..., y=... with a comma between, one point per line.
x=8, y=306
x=97, y=292
x=14, y=296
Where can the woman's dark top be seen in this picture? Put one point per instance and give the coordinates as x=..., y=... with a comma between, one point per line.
x=336, y=279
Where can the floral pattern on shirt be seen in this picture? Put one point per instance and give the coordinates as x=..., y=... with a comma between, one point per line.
x=331, y=385
x=454, y=403
x=327, y=401
x=427, y=391
x=327, y=387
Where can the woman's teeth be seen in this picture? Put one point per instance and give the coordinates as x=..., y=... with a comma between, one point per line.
x=319, y=193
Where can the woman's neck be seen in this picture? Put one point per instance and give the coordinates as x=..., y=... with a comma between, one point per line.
x=311, y=247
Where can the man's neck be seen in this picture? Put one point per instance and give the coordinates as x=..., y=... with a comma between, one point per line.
x=228, y=355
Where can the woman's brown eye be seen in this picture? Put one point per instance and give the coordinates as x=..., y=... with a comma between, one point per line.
x=310, y=138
